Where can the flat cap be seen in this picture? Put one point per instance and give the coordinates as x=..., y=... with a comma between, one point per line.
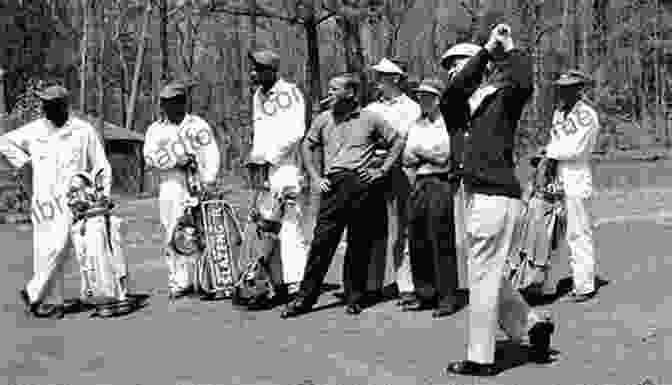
x=55, y=92
x=459, y=50
x=431, y=85
x=574, y=78
x=173, y=89
x=386, y=66
x=266, y=58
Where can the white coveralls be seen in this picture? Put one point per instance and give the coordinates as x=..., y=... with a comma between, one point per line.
x=57, y=154
x=395, y=264
x=573, y=139
x=279, y=126
x=165, y=145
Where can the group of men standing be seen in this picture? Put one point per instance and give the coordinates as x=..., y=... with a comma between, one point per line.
x=393, y=173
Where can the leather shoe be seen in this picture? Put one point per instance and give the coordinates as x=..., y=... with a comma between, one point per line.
x=578, y=298
x=52, y=312
x=418, y=305
x=471, y=368
x=540, y=340
x=295, y=309
x=406, y=298
x=30, y=308
x=444, y=311
x=353, y=309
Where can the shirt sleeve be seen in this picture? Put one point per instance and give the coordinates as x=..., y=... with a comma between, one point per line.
x=384, y=130
x=207, y=153
x=578, y=138
x=98, y=159
x=14, y=146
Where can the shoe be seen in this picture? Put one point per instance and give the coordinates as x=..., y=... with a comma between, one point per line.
x=30, y=308
x=353, y=309
x=181, y=292
x=52, y=312
x=419, y=305
x=406, y=298
x=295, y=309
x=578, y=298
x=471, y=368
x=444, y=311
x=540, y=340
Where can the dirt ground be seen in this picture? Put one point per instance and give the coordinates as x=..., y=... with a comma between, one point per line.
x=623, y=336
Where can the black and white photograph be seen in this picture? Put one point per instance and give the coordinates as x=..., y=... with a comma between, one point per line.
x=335, y=192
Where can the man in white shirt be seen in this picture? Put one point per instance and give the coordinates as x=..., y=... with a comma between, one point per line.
x=431, y=218
x=392, y=257
x=279, y=125
x=59, y=146
x=168, y=145
x=573, y=138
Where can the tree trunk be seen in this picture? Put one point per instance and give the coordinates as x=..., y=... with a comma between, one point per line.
x=354, y=57
x=312, y=69
x=83, y=55
x=138, y=66
x=100, y=108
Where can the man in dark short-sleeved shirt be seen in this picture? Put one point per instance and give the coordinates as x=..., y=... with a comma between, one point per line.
x=351, y=192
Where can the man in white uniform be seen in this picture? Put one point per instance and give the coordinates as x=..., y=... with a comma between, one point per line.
x=168, y=143
x=400, y=111
x=279, y=125
x=573, y=139
x=59, y=146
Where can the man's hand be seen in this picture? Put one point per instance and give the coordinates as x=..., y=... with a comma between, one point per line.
x=323, y=184
x=370, y=175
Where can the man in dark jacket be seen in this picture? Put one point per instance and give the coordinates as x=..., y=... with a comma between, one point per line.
x=492, y=110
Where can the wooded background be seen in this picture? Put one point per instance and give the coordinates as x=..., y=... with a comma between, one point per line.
x=115, y=54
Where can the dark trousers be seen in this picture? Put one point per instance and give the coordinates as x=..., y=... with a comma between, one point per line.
x=361, y=208
x=432, y=238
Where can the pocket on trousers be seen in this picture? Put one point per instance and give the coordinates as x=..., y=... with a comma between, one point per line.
x=487, y=216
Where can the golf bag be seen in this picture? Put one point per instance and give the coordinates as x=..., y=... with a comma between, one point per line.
x=208, y=230
x=96, y=237
x=261, y=240
x=540, y=230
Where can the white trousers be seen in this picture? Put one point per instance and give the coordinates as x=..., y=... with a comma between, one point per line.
x=102, y=269
x=285, y=180
x=50, y=252
x=293, y=243
x=492, y=300
x=172, y=195
x=581, y=244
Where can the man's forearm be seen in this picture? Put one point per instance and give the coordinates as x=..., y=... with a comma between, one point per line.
x=309, y=161
x=393, y=155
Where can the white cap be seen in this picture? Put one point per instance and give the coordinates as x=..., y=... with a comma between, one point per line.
x=385, y=65
x=459, y=50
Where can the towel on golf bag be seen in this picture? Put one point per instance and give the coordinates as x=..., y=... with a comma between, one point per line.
x=539, y=231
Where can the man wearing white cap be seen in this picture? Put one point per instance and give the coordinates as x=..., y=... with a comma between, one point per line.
x=392, y=258
x=430, y=207
x=573, y=139
x=59, y=146
x=494, y=108
x=279, y=125
x=168, y=145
